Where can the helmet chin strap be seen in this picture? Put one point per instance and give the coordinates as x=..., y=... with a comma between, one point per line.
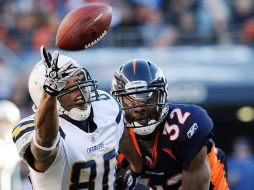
x=145, y=130
x=78, y=114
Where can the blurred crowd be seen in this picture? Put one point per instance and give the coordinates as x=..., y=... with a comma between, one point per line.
x=27, y=24
x=241, y=164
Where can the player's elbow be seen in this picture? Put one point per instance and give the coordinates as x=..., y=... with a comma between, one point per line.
x=42, y=148
x=41, y=155
x=203, y=180
x=194, y=181
x=197, y=176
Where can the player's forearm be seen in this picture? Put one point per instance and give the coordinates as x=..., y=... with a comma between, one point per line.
x=127, y=147
x=193, y=183
x=47, y=121
x=46, y=126
x=197, y=176
x=199, y=179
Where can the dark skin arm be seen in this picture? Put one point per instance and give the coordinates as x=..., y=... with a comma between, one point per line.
x=197, y=176
x=128, y=149
x=47, y=127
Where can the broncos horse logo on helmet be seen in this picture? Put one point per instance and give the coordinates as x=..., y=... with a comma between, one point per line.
x=140, y=85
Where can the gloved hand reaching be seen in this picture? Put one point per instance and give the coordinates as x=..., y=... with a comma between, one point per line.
x=56, y=74
x=127, y=180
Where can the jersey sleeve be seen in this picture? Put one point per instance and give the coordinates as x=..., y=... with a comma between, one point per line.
x=193, y=136
x=108, y=111
x=22, y=134
x=120, y=121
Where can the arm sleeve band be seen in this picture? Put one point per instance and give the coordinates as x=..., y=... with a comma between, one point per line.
x=48, y=149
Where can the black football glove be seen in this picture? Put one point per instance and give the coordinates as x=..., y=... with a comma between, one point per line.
x=127, y=180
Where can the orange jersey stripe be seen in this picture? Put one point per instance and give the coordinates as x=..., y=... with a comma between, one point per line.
x=134, y=141
x=218, y=175
x=155, y=150
x=169, y=152
x=120, y=158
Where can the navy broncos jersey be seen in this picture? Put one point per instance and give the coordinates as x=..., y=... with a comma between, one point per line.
x=178, y=139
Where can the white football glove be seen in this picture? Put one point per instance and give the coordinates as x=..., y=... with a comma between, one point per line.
x=56, y=76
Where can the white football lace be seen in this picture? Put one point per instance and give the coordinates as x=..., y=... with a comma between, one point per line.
x=96, y=40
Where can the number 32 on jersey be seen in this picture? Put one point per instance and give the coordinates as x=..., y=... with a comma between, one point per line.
x=173, y=130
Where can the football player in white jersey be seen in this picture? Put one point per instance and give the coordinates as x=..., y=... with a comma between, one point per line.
x=72, y=140
x=9, y=159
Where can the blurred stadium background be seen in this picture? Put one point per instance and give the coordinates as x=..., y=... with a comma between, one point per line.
x=205, y=48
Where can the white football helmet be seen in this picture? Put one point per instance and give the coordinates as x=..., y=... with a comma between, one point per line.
x=9, y=116
x=36, y=81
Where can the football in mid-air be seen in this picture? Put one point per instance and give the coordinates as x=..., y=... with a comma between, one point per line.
x=84, y=26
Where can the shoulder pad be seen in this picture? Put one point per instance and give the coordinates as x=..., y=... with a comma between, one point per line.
x=24, y=126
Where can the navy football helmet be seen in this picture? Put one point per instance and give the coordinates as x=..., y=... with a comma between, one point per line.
x=141, y=89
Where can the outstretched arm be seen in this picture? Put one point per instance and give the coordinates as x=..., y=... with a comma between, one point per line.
x=46, y=137
x=46, y=131
x=197, y=176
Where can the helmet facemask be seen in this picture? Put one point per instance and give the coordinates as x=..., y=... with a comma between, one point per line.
x=76, y=98
x=85, y=88
x=144, y=106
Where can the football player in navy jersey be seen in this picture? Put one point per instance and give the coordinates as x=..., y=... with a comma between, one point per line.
x=173, y=142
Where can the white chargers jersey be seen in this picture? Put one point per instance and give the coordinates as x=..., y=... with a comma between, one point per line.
x=84, y=160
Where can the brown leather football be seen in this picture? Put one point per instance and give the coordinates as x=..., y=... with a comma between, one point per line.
x=84, y=26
